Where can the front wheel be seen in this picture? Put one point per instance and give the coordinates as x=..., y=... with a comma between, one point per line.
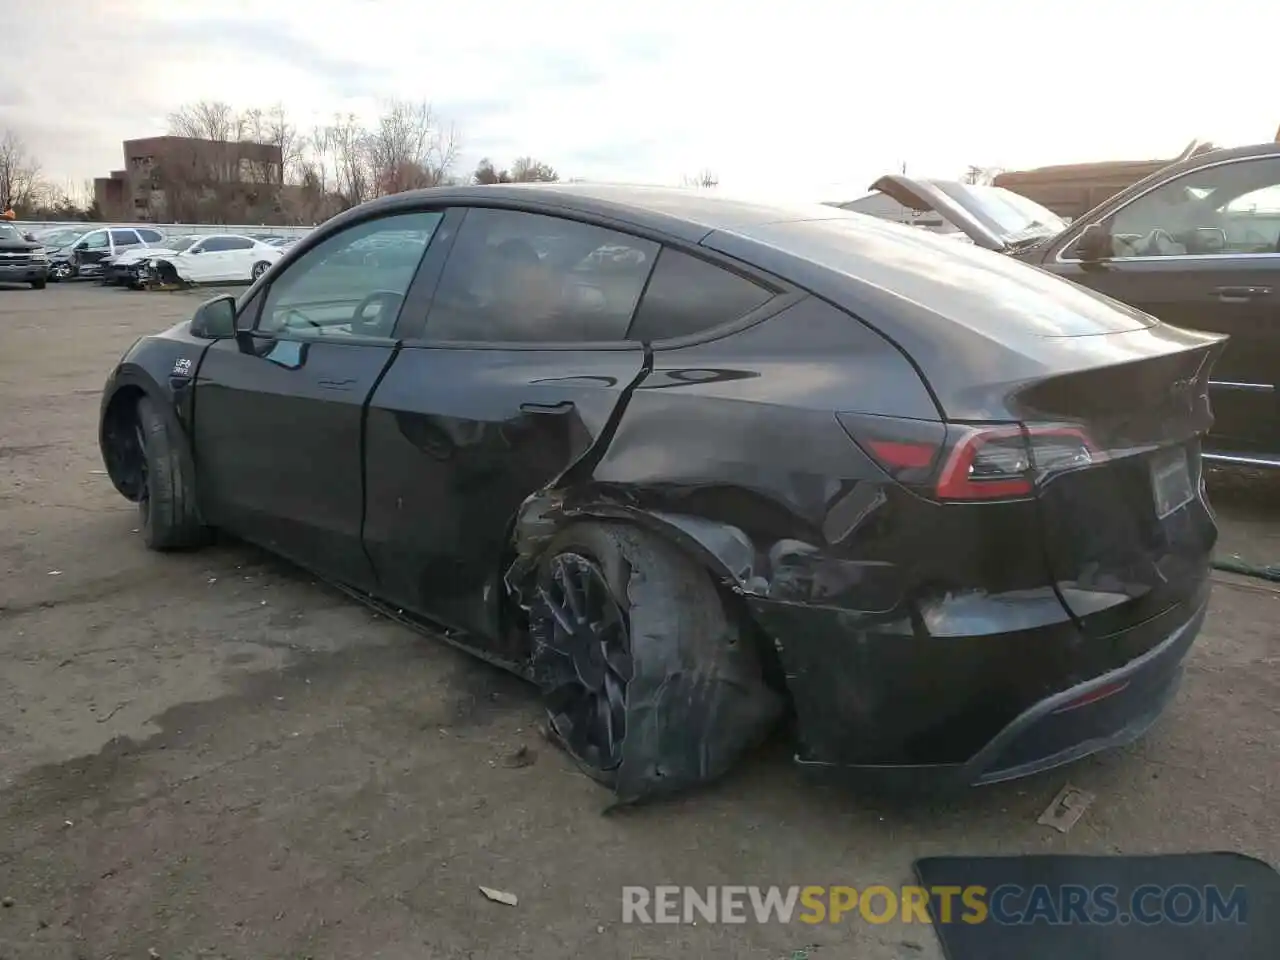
x=259, y=269
x=648, y=680
x=61, y=271
x=167, y=503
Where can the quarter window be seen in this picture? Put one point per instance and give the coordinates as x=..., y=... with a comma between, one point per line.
x=687, y=295
x=524, y=277
x=352, y=284
x=1227, y=209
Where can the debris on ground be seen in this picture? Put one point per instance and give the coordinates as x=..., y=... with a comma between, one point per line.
x=500, y=896
x=6, y=902
x=520, y=757
x=1066, y=809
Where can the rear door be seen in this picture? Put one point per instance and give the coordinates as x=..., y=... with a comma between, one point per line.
x=280, y=409
x=237, y=259
x=521, y=368
x=1202, y=251
x=124, y=240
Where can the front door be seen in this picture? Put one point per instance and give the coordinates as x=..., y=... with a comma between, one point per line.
x=280, y=409
x=523, y=366
x=1202, y=251
x=91, y=251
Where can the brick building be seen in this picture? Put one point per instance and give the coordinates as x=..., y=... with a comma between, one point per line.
x=186, y=179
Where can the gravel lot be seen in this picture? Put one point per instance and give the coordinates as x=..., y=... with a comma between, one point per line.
x=211, y=755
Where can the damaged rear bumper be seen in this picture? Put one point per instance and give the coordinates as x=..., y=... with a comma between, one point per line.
x=851, y=734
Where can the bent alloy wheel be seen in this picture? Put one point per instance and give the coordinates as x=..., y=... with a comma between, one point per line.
x=587, y=661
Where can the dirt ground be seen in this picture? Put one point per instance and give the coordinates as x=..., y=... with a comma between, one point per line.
x=211, y=755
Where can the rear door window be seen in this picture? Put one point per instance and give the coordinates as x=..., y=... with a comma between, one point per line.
x=151, y=236
x=124, y=238
x=687, y=295
x=522, y=277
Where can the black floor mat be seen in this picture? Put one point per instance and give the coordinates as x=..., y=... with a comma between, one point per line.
x=1223, y=906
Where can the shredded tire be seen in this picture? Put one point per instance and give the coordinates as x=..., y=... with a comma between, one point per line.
x=697, y=698
x=170, y=519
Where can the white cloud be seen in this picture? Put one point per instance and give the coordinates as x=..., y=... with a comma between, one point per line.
x=811, y=101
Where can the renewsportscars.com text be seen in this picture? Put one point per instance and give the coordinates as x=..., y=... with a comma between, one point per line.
x=1007, y=905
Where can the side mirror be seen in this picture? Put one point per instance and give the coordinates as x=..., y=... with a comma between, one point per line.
x=1094, y=244
x=215, y=319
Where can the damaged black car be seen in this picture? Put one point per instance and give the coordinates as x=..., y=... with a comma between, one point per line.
x=695, y=466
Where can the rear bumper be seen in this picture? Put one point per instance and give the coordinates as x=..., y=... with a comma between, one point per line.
x=1110, y=708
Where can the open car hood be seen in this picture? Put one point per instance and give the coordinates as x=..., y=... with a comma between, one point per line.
x=917, y=195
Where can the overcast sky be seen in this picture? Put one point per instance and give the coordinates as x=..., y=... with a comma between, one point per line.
x=797, y=101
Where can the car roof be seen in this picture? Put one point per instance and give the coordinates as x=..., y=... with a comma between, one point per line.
x=687, y=213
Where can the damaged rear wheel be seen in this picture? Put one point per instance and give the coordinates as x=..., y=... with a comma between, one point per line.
x=648, y=682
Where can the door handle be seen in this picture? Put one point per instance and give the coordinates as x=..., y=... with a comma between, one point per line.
x=564, y=406
x=1241, y=294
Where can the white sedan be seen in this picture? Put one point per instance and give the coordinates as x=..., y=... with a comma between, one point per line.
x=222, y=258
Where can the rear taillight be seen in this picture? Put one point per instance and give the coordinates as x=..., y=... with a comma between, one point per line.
x=999, y=463
x=970, y=462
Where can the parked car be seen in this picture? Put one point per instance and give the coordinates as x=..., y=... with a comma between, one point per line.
x=22, y=260
x=129, y=267
x=84, y=257
x=945, y=506
x=220, y=257
x=1196, y=244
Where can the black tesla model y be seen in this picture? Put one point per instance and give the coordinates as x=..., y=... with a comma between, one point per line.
x=695, y=465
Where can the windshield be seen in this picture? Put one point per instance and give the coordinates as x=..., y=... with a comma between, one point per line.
x=1013, y=215
x=61, y=237
x=10, y=233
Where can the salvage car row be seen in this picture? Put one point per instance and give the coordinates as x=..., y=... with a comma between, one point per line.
x=131, y=255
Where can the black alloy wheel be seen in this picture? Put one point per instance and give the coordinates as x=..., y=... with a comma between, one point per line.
x=586, y=675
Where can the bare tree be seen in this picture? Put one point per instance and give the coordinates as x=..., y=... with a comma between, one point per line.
x=705, y=180
x=524, y=170
x=529, y=170
x=487, y=173
x=20, y=183
x=409, y=149
x=208, y=120
x=981, y=175
x=353, y=177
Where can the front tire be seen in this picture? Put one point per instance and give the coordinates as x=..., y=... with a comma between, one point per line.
x=647, y=679
x=167, y=505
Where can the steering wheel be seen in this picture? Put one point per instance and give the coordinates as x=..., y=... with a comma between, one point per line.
x=378, y=326
x=1157, y=238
